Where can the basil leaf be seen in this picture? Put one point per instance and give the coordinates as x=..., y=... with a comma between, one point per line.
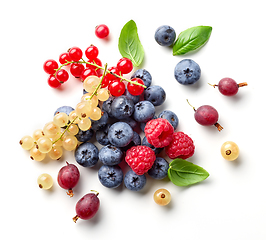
x=184, y=173
x=191, y=39
x=129, y=44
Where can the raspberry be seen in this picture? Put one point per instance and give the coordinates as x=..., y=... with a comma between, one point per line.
x=159, y=132
x=140, y=159
x=182, y=146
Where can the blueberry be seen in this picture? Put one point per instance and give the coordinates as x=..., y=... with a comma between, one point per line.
x=110, y=176
x=170, y=116
x=122, y=107
x=187, y=72
x=146, y=143
x=130, y=121
x=165, y=35
x=144, y=75
x=159, y=169
x=84, y=136
x=87, y=154
x=65, y=109
x=155, y=94
x=120, y=134
x=110, y=155
x=135, y=142
x=144, y=111
x=102, y=135
x=135, y=99
x=107, y=105
x=101, y=123
x=133, y=181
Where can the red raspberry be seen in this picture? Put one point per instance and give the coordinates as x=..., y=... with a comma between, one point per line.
x=159, y=132
x=140, y=159
x=182, y=146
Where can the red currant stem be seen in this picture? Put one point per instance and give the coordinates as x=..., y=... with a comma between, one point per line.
x=98, y=86
x=191, y=105
x=56, y=70
x=242, y=84
x=62, y=134
x=213, y=85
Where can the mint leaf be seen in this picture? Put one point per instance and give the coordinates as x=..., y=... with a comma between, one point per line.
x=191, y=39
x=184, y=173
x=129, y=44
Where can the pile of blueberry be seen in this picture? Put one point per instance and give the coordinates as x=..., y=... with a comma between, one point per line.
x=123, y=119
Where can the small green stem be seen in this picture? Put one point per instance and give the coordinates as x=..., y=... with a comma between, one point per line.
x=98, y=86
x=62, y=134
x=191, y=105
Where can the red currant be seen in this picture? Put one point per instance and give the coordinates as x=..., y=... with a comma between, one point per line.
x=124, y=65
x=116, y=87
x=110, y=76
x=76, y=69
x=92, y=52
x=105, y=81
x=87, y=72
x=53, y=82
x=50, y=66
x=102, y=31
x=96, y=61
x=64, y=57
x=62, y=75
x=135, y=89
x=75, y=53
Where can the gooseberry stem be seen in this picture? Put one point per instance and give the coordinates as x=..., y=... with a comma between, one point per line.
x=242, y=84
x=191, y=105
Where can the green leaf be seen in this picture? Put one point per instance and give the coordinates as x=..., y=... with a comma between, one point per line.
x=184, y=173
x=191, y=39
x=129, y=44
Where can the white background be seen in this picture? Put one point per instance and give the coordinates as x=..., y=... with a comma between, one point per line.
x=230, y=204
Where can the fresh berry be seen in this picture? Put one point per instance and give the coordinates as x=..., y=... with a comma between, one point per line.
x=136, y=140
x=87, y=207
x=96, y=61
x=130, y=121
x=144, y=75
x=229, y=87
x=64, y=57
x=187, y=72
x=159, y=169
x=110, y=155
x=53, y=82
x=162, y=197
x=50, y=66
x=92, y=52
x=101, y=31
x=76, y=69
x=170, y=116
x=122, y=107
x=159, y=132
x=144, y=111
x=62, y=75
x=135, y=89
x=181, y=146
x=102, y=135
x=111, y=76
x=230, y=150
x=165, y=35
x=135, y=99
x=101, y=123
x=110, y=176
x=88, y=72
x=124, y=65
x=207, y=115
x=133, y=181
x=84, y=136
x=155, y=94
x=87, y=154
x=116, y=87
x=68, y=178
x=140, y=159
x=75, y=53
x=120, y=134
x=107, y=106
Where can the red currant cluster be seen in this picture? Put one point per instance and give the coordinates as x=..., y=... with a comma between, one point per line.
x=79, y=68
